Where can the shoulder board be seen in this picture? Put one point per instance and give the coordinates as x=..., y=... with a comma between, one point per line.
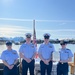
x=23, y=45
x=42, y=46
x=4, y=51
x=67, y=49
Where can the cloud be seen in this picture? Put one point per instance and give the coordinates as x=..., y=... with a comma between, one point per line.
x=14, y=30
x=14, y=19
x=37, y=20
x=9, y=31
x=55, y=20
x=58, y=30
x=63, y=35
x=62, y=24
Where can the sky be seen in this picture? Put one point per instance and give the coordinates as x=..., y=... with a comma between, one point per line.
x=56, y=17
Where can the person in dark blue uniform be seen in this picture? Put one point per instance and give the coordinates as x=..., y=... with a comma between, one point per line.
x=65, y=57
x=10, y=59
x=45, y=54
x=27, y=53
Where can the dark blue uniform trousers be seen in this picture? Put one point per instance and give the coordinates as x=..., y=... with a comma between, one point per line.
x=25, y=67
x=13, y=71
x=45, y=68
x=62, y=69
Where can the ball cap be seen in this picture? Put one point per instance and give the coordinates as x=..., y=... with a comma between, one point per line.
x=63, y=42
x=8, y=43
x=28, y=35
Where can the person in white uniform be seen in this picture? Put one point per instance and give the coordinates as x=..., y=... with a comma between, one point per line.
x=45, y=54
x=10, y=59
x=27, y=53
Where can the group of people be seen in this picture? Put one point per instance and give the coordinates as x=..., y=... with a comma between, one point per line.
x=28, y=52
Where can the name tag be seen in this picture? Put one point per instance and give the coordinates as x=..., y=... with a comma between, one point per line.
x=14, y=52
x=50, y=46
x=66, y=52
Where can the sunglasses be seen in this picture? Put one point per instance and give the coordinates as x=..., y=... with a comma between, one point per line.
x=9, y=45
x=62, y=44
x=46, y=37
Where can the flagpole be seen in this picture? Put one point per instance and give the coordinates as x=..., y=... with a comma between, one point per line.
x=34, y=38
x=34, y=33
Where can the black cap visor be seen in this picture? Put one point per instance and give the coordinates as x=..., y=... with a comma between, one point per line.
x=46, y=37
x=62, y=44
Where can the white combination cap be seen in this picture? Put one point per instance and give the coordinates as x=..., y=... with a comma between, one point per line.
x=28, y=35
x=46, y=34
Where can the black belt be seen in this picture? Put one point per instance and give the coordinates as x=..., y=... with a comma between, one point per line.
x=63, y=62
x=30, y=58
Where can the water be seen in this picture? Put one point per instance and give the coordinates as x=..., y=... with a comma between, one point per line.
x=57, y=47
x=15, y=47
